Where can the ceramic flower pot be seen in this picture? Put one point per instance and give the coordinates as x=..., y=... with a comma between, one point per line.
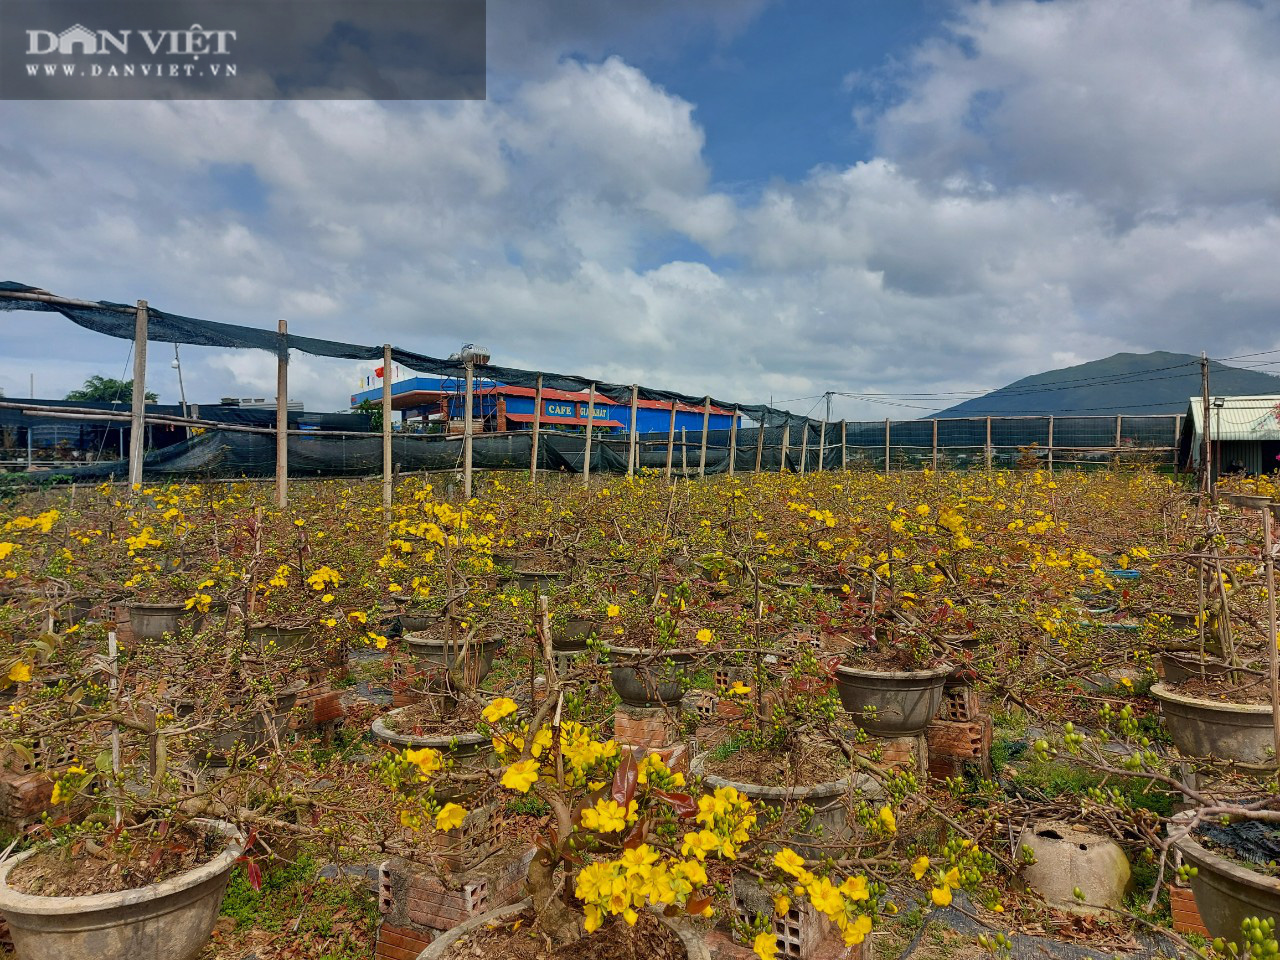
x=170, y=920
x=892, y=703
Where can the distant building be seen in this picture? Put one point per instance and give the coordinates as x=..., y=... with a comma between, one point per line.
x=437, y=404
x=1244, y=433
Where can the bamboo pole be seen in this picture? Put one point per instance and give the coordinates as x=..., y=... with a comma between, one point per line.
x=282, y=417
x=706, y=423
x=988, y=445
x=671, y=438
x=935, y=444
x=537, y=423
x=733, y=442
x=586, y=450
x=386, y=426
x=137, y=434
x=786, y=442
x=759, y=444
x=1119, y=418
x=886, y=444
x=822, y=444
x=804, y=448
x=684, y=453
x=631, y=446
x=1051, y=444
x=844, y=444
x=468, y=427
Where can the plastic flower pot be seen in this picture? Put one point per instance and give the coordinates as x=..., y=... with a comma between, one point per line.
x=1209, y=728
x=170, y=920
x=647, y=678
x=694, y=940
x=892, y=703
x=1227, y=892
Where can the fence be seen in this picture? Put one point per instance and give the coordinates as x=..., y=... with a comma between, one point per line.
x=984, y=443
x=782, y=440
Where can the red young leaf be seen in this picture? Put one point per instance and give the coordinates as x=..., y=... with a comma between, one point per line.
x=697, y=905
x=255, y=875
x=681, y=803
x=624, y=781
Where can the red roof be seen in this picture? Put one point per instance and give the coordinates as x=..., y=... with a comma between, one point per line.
x=559, y=421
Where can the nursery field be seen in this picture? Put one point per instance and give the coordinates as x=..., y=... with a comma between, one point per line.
x=961, y=714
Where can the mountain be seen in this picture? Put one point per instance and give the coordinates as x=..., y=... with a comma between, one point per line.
x=1135, y=383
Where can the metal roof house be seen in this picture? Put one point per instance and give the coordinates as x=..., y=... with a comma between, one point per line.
x=1244, y=433
x=499, y=407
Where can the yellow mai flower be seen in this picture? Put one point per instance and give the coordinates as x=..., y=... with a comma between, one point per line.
x=450, y=816
x=705, y=636
x=854, y=933
x=502, y=707
x=521, y=776
x=887, y=820
x=941, y=895
x=781, y=905
x=613, y=610
x=920, y=866
x=606, y=817
x=427, y=760
x=765, y=945
x=738, y=689
x=20, y=672
x=855, y=888
x=788, y=861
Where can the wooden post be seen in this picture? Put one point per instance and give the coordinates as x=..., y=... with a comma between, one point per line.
x=733, y=441
x=1206, y=442
x=886, y=444
x=988, y=444
x=1051, y=444
x=1177, y=439
x=282, y=418
x=822, y=445
x=759, y=444
x=804, y=448
x=786, y=442
x=844, y=444
x=1269, y=561
x=684, y=453
x=468, y=421
x=1119, y=418
x=137, y=432
x=386, y=427
x=632, y=449
x=671, y=437
x=706, y=423
x=537, y=422
x=586, y=449
x=935, y=444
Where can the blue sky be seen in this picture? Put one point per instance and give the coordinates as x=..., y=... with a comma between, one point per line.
x=747, y=198
x=778, y=98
